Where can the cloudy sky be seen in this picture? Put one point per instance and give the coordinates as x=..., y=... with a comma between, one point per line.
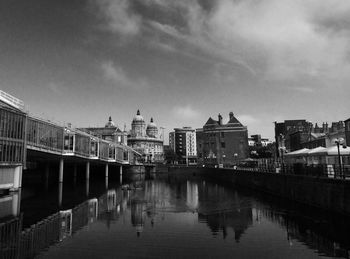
x=178, y=61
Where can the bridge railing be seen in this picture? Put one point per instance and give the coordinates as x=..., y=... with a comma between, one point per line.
x=44, y=135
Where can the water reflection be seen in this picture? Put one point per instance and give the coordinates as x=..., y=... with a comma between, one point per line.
x=174, y=215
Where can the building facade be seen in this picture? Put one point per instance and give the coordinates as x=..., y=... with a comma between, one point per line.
x=109, y=132
x=145, y=139
x=183, y=143
x=222, y=144
x=283, y=131
x=258, y=141
x=347, y=131
x=292, y=135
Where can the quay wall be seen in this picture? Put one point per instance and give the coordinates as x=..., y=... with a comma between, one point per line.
x=325, y=193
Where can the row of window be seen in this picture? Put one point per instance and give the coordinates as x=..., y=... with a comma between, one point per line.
x=222, y=134
x=11, y=151
x=11, y=124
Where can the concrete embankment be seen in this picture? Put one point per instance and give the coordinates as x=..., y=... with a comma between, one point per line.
x=325, y=193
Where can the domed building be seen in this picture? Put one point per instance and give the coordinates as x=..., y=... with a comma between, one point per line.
x=109, y=132
x=152, y=130
x=145, y=139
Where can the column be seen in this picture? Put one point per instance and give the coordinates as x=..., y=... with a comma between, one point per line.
x=106, y=175
x=16, y=203
x=61, y=171
x=87, y=171
x=17, y=177
x=60, y=193
x=87, y=187
x=87, y=178
x=121, y=174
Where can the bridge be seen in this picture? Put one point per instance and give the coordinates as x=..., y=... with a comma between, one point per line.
x=25, y=140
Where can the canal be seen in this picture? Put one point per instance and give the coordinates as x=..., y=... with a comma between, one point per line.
x=172, y=217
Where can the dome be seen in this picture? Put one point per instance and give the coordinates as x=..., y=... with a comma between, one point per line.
x=151, y=124
x=110, y=123
x=152, y=129
x=138, y=117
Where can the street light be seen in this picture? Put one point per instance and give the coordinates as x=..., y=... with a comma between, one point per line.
x=282, y=151
x=340, y=141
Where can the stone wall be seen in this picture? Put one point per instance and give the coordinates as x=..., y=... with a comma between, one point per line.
x=325, y=193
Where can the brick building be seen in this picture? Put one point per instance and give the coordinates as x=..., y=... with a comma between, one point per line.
x=222, y=144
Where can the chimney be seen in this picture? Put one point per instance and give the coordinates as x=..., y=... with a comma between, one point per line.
x=231, y=115
x=220, y=119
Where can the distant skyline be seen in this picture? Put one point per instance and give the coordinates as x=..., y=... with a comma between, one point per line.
x=179, y=62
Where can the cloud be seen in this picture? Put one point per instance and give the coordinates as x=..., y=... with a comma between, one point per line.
x=119, y=18
x=273, y=40
x=116, y=75
x=185, y=112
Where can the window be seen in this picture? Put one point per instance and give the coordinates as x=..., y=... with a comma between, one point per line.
x=223, y=144
x=222, y=134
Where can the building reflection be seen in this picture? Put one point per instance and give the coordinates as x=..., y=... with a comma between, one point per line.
x=225, y=212
x=313, y=232
x=138, y=215
x=10, y=205
x=221, y=210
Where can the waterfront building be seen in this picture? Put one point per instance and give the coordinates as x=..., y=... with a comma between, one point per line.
x=222, y=144
x=145, y=139
x=258, y=141
x=183, y=143
x=110, y=132
x=347, y=131
x=297, y=134
x=283, y=130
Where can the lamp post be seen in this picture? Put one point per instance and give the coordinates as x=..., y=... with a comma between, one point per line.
x=282, y=150
x=340, y=141
x=235, y=155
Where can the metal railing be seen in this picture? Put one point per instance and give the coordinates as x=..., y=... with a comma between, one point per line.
x=321, y=170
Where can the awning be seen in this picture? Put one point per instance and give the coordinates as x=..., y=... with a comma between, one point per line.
x=299, y=152
x=317, y=151
x=333, y=151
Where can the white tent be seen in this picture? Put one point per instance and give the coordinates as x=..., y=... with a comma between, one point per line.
x=299, y=152
x=317, y=151
x=333, y=151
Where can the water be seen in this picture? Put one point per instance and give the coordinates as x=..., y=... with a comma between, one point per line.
x=179, y=218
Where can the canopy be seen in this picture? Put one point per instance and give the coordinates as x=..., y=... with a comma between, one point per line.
x=299, y=152
x=317, y=151
x=333, y=151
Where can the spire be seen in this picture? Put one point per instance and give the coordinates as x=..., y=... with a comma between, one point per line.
x=138, y=112
x=110, y=118
x=151, y=119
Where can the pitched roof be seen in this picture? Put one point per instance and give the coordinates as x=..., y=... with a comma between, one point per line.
x=211, y=121
x=234, y=120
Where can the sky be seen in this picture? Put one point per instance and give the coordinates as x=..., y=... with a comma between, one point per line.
x=179, y=62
